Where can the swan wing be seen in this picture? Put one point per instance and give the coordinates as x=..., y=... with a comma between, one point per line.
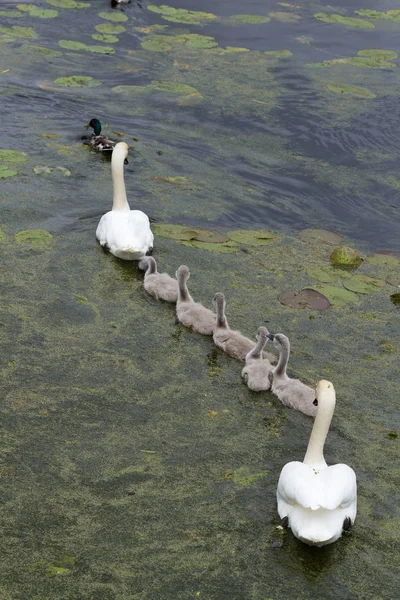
x=338, y=487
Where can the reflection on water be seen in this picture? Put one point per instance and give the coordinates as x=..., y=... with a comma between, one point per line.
x=133, y=461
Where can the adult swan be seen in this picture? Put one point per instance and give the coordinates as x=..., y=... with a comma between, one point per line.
x=316, y=501
x=124, y=232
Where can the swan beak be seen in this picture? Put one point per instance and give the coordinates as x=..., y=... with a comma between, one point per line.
x=270, y=336
x=126, y=162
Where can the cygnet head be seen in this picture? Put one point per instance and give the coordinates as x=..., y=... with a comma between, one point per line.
x=262, y=332
x=219, y=299
x=325, y=396
x=121, y=149
x=182, y=273
x=281, y=342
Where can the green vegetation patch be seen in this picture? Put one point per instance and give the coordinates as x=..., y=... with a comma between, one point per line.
x=281, y=54
x=320, y=236
x=383, y=260
x=248, y=19
x=117, y=17
x=11, y=13
x=253, y=237
x=348, y=21
x=181, y=15
x=327, y=274
x=36, y=238
x=346, y=88
x=13, y=156
x=107, y=39
x=363, y=284
x=77, y=81
x=71, y=45
x=371, y=58
x=39, y=50
x=337, y=296
x=68, y=4
x=109, y=28
x=6, y=172
x=285, y=17
x=345, y=256
x=162, y=43
x=373, y=14
x=17, y=31
x=36, y=11
x=243, y=476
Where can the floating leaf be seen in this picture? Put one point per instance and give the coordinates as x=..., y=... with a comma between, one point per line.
x=338, y=296
x=108, y=28
x=16, y=31
x=6, y=172
x=345, y=88
x=156, y=44
x=221, y=248
x=372, y=14
x=253, y=237
x=211, y=237
x=395, y=299
x=13, y=156
x=327, y=274
x=107, y=39
x=77, y=81
x=181, y=15
x=71, y=45
x=68, y=3
x=39, y=50
x=348, y=21
x=362, y=284
x=393, y=280
x=281, y=54
x=378, y=54
x=11, y=13
x=43, y=13
x=383, y=260
x=37, y=238
x=307, y=298
x=44, y=170
x=248, y=19
x=117, y=17
x=320, y=236
x=345, y=256
x=285, y=17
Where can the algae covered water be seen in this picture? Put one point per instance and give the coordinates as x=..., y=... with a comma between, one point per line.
x=134, y=463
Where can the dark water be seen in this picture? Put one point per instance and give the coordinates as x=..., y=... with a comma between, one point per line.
x=134, y=464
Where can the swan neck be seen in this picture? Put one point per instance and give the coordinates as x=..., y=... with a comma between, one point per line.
x=315, y=449
x=280, y=369
x=120, y=201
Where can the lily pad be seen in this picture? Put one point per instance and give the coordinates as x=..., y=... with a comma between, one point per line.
x=338, y=296
x=169, y=230
x=363, y=284
x=320, y=236
x=36, y=238
x=107, y=39
x=373, y=14
x=345, y=88
x=71, y=45
x=348, y=21
x=13, y=156
x=109, y=28
x=307, y=298
x=201, y=42
x=39, y=50
x=17, y=31
x=68, y=3
x=285, y=17
x=249, y=19
x=182, y=15
x=11, y=14
x=383, y=260
x=393, y=280
x=395, y=299
x=253, y=237
x=210, y=237
x=327, y=274
x=44, y=170
x=43, y=13
x=379, y=54
x=77, y=81
x=6, y=172
x=344, y=256
x=114, y=16
x=154, y=43
x=220, y=248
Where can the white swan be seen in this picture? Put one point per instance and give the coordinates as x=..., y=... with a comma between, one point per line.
x=291, y=392
x=257, y=369
x=318, y=502
x=124, y=232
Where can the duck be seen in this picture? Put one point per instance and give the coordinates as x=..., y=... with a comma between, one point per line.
x=190, y=313
x=99, y=142
x=291, y=392
x=124, y=232
x=257, y=369
x=160, y=285
x=230, y=341
x=318, y=502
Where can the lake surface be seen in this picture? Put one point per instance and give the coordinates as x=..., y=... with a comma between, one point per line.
x=134, y=463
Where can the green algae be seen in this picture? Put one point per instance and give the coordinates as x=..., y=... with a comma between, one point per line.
x=44, y=170
x=373, y=14
x=114, y=16
x=71, y=45
x=181, y=15
x=109, y=28
x=77, y=81
x=369, y=58
x=280, y=54
x=347, y=21
x=106, y=38
x=13, y=156
x=39, y=50
x=11, y=13
x=17, y=31
x=245, y=476
x=285, y=17
x=35, y=238
x=253, y=237
x=68, y=3
x=162, y=43
x=346, y=88
x=247, y=19
x=6, y=172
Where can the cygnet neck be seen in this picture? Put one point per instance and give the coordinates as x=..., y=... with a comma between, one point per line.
x=183, y=292
x=284, y=353
x=120, y=201
x=221, y=319
x=151, y=266
x=256, y=352
x=326, y=406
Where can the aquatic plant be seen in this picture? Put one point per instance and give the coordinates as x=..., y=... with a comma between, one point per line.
x=342, y=20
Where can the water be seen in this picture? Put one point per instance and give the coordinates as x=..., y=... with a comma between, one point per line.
x=134, y=463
